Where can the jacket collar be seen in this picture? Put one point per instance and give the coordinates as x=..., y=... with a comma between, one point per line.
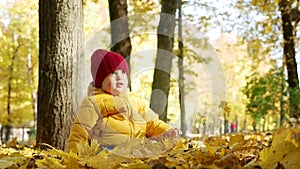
x=92, y=90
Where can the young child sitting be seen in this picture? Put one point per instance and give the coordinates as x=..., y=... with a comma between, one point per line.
x=110, y=114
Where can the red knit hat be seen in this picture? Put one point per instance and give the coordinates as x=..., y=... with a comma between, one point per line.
x=105, y=62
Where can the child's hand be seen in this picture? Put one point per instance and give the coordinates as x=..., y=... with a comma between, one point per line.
x=172, y=133
x=122, y=110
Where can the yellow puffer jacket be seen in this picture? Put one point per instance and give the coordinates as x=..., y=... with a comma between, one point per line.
x=98, y=118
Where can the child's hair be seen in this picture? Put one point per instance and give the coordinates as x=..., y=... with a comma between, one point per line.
x=105, y=62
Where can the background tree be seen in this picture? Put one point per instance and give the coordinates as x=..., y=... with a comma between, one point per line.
x=264, y=92
x=119, y=29
x=18, y=65
x=60, y=26
x=276, y=18
x=290, y=17
x=226, y=113
x=195, y=57
x=181, y=71
x=163, y=62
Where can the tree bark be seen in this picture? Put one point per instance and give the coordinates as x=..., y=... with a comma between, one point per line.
x=163, y=62
x=289, y=53
x=60, y=33
x=120, y=40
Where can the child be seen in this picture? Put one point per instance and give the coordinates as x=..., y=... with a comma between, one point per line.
x=110, y=114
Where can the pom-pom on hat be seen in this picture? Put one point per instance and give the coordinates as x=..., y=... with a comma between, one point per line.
x=105, y=62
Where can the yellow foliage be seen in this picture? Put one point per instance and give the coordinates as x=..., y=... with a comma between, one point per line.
x=6, y=163
x=236, y=151
x=143, y=148
x=85, y=150
x=12, y=143
x=284, y=151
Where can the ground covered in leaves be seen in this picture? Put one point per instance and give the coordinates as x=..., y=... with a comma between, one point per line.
x=279, y=149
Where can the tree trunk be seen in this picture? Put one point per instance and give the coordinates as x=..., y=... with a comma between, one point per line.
x=282, y=95
x=204, y=127
x=31, y=83
x=60, y=26
x=237, y=122
x=290, y=54
x=181, y=70
x=120, y=40
x=9, y=91
x=254, y=126
x=163, y=62
x=7, y=126
x=245, y=122
x=1, y=133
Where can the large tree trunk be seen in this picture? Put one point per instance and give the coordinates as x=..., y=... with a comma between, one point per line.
x=120, y=40
x=290, y=54
x=163, y=63
x=181, y=70
x=60, y=26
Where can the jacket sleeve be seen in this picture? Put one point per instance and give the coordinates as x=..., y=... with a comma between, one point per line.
x=155, y=126
x=83, y=124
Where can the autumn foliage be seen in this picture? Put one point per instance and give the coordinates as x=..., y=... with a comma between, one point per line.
x=277, y=149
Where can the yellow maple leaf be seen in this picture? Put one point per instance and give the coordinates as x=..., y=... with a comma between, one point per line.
x=104, y=160
x=17, y=158
x=86, y=150
x=291, y=160
x=6, y=163
x=70, y=159
x=139, y=165
x=237, y=139
x=284, y=144
x=216, y=141
x=50, y=162
x=12, y=143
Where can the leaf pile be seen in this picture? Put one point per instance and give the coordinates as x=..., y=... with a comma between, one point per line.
x=280, y=149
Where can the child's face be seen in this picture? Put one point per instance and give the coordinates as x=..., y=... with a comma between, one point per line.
x=115, y=83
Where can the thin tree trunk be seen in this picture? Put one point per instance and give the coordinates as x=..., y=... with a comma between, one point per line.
x=282, y=112
x=245, y=122
x=181, y=70
x=9, y=90
x=264, y=124
x=23, y=134
x=31, y=83
x=237, y=122
x=60, y=26
x=204, y=127
x=163, y=62
x=120, y=40
x=1, y=130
